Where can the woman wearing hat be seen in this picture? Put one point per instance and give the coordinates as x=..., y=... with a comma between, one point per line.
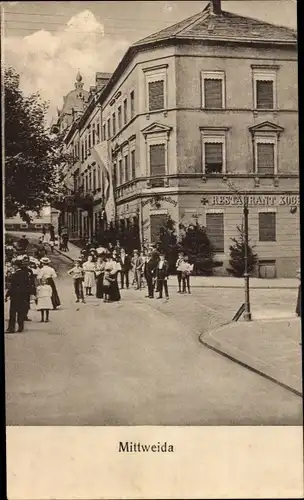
x=47, y=272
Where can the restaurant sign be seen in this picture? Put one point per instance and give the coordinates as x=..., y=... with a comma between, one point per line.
x=254, y=200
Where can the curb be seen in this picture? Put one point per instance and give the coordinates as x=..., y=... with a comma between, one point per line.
x=64, y=255
x=245, y=365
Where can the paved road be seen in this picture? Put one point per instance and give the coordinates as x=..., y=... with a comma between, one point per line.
x=137, y=362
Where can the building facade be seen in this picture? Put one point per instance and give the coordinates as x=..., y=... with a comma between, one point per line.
x=200, y=115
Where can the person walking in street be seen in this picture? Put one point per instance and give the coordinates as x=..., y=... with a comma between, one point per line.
x=40, y=250
x=52, y=232
x=162, y=275
x=32, y=282
x=23, y=244
x=100, y=269
x=186, y=270
x=125, y=263
x=77, y=274
x=298, y=307
x=44, y=300
x=49, y=273
x=179, y=261
x=65, y=240
x=89, y=275
x=149, y=271
x=18, y=293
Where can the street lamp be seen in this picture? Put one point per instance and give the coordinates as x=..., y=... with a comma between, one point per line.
x=247, y=312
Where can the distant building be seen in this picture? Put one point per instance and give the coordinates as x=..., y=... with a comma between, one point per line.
x=194, y=116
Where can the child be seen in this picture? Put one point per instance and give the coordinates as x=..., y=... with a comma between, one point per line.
x=44, y=299
x=186, y=268
x=77, y=274
x=179, y=261
x=107, y=281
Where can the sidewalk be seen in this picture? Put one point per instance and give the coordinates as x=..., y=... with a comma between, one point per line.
x=214, y=281
x=271, y=348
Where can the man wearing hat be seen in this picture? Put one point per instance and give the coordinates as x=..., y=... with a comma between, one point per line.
x=18, y=292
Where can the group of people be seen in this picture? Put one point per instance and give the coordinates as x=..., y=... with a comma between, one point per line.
x=28, y=283
x=102, y=271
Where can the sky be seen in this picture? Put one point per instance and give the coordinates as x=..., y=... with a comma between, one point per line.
x=47, y=42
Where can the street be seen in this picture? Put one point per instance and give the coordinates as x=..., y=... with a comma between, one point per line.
x=139, y=362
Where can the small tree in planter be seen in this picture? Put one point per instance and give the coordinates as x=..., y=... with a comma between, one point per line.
x=196, y=244
x=237, y=256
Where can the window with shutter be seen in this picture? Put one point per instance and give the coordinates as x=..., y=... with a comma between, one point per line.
x=114, y=124
x=98, y=133
x=264, y=94
x=213, y=157
x=132, y=103
x=126, y=160
x=109, y=128
x=157, y=164
x=265, y=158
x=215, y=230
x=156, y=95
x=156, y=222
x=133, y=172
x=213, y=95
x=119, y=118
x=120, y=172
x=267, y=226
x=125, y=110
x=104, y=133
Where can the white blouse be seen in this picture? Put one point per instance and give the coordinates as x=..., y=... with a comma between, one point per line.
x=46, y=272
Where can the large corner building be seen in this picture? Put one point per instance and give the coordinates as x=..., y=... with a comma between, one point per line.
x=195, y=117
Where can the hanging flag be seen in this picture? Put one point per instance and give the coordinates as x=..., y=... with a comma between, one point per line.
x=101, y=155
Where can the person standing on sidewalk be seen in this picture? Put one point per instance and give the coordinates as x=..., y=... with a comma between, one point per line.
x=149, y=271
x=32, y=283
x=125, y=263
x=77, y=274
x=298, y=308
x=49, y=273
x=179, y=261
x=186, y=270
x=44, y=300
x=162, y=275
x=18, y=293
x=89, y=268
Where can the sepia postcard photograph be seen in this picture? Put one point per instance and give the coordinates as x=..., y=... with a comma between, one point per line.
x=152, y=264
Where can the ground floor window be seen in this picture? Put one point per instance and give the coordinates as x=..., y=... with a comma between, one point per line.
x=267, y=226
x=156, y=222
x=215, y=230
x=267, y=269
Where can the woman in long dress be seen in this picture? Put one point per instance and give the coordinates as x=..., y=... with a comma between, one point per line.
x=114, y=293
x=100, y=268
x=47, y=272
x=89, y=268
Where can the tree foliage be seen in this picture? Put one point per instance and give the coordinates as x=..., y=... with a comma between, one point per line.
x=237, y=255
x=196, y=244
x=34, y=158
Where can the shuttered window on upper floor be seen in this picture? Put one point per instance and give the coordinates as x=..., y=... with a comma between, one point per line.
x=126, y=161
x=267, y=226
x=157, y=164
x=264, y=94
x=133, y=171
x=265, y=158
x=156, y=95
x=120, y=173
x=213, y=157
x=215, y=230
x=213, y=93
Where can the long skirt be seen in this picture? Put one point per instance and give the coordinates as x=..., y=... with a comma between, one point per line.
x=99, y=286
x=89, y=279
x=55, y=296
x=298, y=308
x=114, y=294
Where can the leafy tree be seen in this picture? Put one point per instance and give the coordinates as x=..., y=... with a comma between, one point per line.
x=196, y=244
x=237, y=255
x=33, y=156
x=167, y=243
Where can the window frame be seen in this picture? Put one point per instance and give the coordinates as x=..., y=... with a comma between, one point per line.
x=219, y=138
x=264, y=75
x=216, y=212
x=125, y=111
x=157, y=142
x=266, y=139
x=132, y=108
x=133, y=163
x=119, y=117
x=213, y=75
x=264, y=212
x=156, y=74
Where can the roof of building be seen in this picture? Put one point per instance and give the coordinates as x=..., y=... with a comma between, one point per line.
x=206, y=25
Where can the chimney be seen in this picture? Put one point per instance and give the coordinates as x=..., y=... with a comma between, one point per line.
x=215, y=7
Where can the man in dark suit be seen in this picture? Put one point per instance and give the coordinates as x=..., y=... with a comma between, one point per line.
x=162, y=274
x=149, y=272
x=32, y=285
x=125, y=263
x=18, y=293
